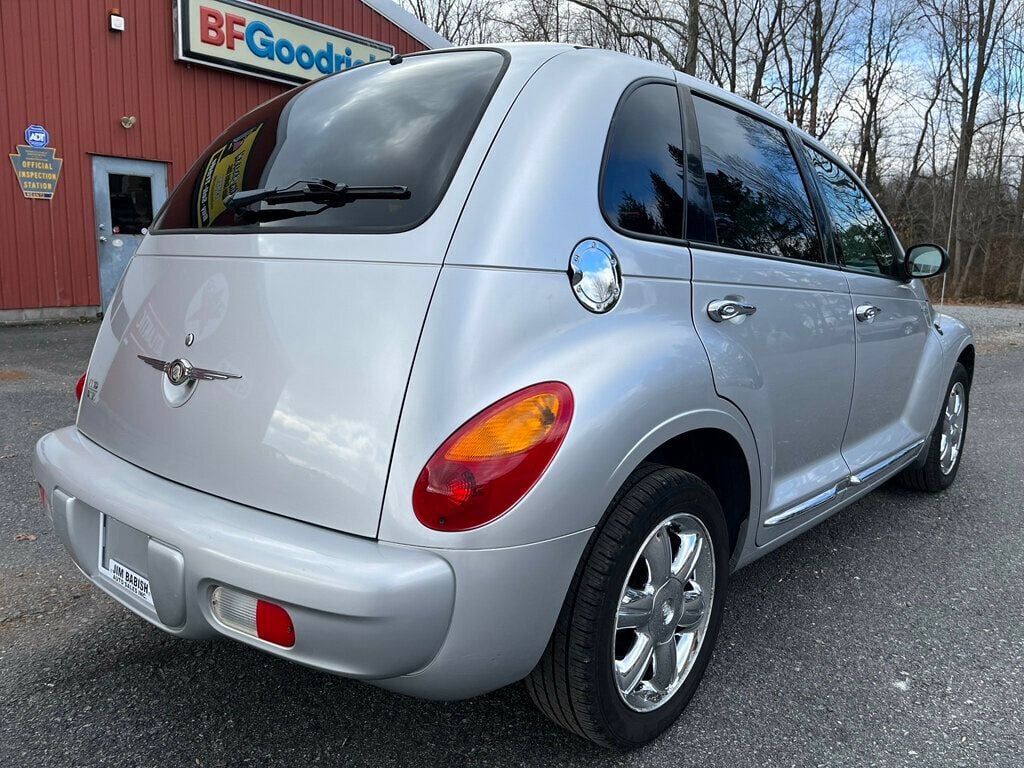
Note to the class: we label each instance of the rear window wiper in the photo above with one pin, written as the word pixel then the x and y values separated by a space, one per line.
pixel 327 193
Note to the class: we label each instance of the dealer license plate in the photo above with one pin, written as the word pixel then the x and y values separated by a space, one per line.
pixel 125 577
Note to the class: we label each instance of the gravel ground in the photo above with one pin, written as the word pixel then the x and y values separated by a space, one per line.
pixel 890 635
pixel 996 328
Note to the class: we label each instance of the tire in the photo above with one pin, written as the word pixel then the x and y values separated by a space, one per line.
pixel 930 476
pixel 576 682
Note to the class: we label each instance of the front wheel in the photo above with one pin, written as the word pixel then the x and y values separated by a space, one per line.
pixel 637 629
pixel 946 443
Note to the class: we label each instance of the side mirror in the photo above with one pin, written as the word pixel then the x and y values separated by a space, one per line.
pixel 925 260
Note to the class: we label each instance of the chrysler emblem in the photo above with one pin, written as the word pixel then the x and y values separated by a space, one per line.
pixel 179 371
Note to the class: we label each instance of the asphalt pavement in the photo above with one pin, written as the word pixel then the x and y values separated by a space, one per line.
pixel 890 635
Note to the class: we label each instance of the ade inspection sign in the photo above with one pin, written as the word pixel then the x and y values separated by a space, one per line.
pixel 36 165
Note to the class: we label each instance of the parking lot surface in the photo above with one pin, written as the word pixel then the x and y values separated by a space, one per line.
pixel 890 635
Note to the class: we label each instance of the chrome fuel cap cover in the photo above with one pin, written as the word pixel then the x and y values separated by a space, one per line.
pixel 594 275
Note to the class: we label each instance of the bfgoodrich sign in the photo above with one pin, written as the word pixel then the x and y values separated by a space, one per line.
pixel 243 36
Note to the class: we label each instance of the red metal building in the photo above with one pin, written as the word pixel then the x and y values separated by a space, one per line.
pixel 123 85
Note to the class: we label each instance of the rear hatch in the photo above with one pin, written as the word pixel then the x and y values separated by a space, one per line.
pixel 304 311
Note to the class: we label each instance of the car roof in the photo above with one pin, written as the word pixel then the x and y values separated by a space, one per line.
pixel 694 83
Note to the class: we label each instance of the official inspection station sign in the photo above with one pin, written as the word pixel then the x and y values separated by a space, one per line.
pixel 37 165
pixel 260 41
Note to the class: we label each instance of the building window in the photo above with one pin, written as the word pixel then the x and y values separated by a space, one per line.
pixel 131 203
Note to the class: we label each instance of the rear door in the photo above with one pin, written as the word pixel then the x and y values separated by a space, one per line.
pixel 892 322
pixel 772 313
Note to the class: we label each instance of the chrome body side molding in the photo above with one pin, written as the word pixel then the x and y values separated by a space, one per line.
pixel 841 487
pixel 874 469
pixel 804 506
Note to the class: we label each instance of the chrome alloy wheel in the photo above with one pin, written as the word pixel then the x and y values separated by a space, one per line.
pixel 663 612
pixel 952 437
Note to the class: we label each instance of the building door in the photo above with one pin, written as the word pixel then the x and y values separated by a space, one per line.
pixel 126 195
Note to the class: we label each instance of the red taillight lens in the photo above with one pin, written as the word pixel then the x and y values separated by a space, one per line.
pixel 489 464
pixel 252 616
pixel 80 387
pixel 273 624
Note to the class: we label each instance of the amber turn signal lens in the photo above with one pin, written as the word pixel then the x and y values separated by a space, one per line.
pixel 515 429
pixel 494 459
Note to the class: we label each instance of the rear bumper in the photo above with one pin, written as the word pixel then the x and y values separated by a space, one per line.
pixel 386 613
pixel 360 608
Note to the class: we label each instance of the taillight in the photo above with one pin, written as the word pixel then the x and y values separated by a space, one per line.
pixel 80 386
pixel 489 464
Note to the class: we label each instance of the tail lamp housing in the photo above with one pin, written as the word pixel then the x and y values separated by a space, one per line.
pixel 80 387
pixel 493 460
pixel 252 616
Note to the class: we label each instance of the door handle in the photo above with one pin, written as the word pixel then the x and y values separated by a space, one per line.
pixel 729 309
pixel 867 313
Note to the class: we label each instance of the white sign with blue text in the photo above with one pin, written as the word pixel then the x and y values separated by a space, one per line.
pixel 260 41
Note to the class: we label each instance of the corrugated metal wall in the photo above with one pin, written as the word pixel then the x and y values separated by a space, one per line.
pixel 63 68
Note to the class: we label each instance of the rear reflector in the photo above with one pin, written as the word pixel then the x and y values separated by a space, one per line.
pixel 252 616
pixel 273 624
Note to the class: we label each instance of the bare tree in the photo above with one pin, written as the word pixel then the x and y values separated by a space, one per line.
pixel 888 24
pixel 924 97
pixel 967 30
pixel 808 51
pixel 462 22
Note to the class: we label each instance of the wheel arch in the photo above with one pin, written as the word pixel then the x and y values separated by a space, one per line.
pixel 716 457
pixel 966 359
pixel 718 447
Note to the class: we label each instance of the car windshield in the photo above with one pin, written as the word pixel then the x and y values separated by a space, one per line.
pixel 386 124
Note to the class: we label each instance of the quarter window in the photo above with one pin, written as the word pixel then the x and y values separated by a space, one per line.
pixel 860 234
pixel 759 198
pixel 642 182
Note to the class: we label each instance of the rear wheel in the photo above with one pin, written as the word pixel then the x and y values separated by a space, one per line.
pixel 945 446
pixel 638 626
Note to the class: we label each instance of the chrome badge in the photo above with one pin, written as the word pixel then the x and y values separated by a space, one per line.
pixel 181 371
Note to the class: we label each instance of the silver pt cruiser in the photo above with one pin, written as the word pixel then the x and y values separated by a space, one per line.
pixel 490 364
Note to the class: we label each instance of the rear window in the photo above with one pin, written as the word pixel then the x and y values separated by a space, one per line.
pixel 379 124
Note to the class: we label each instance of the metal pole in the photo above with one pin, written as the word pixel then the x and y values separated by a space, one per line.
pixel 949 234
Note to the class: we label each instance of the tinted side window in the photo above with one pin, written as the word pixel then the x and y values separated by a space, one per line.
pixel 642 181
pixel 377 124
pixel 861 236
pixel 760 201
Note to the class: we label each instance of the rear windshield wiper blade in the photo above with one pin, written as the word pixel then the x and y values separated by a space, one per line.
pixel 322 191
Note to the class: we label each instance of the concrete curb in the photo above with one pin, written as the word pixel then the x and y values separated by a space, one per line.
pixel 46 315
